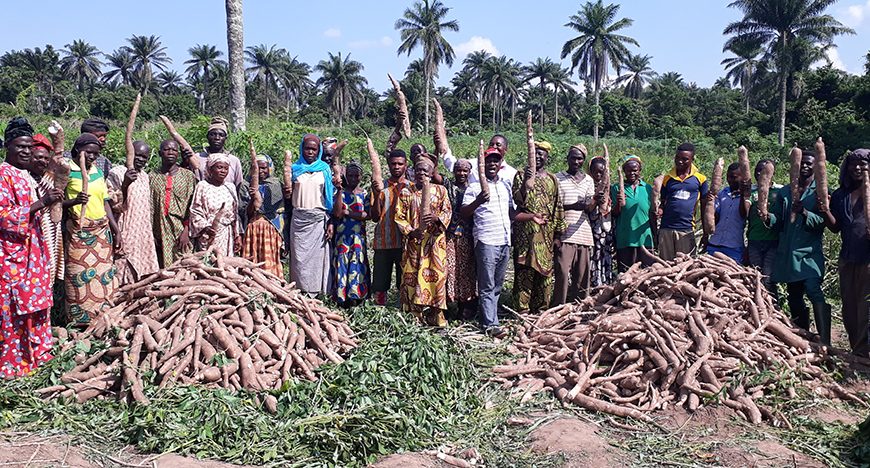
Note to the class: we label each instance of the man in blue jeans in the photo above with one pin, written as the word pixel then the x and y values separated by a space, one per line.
pixel 492 214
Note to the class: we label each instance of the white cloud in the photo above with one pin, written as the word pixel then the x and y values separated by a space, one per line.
pixel 836 61
pixel 332 33
pixel 854 15
pixel 384 41
pixel 474 44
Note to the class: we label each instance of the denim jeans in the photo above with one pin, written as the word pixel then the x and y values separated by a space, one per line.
pixel 761 255
pixel 492 262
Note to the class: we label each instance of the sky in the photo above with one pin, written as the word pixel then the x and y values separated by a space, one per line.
pixel 681 35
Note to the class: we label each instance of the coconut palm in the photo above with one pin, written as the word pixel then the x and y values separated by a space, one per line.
pixel 81 63
pixel 562 83
pixel 267 63
pixel 542 69
pixel 294 78
pixel 342 81
pixel 422 26
pixel 474 63
pixel 465 85
pixel 120 67
pixel 236 48
pixel 598 46
pixel 44 67
pixel 203 59
pixel 170 82
pixel 638 73
pixel 740 69
pixel 501 77
pixel 779 26
pixel 148 53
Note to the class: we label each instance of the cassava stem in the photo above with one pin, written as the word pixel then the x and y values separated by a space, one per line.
pixel 256 200
pixel 377 174
pixel 794 174
pixel 402 107
pixel 532 159
pixel 743 161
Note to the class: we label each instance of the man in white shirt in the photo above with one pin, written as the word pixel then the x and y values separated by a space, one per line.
pixel 492 214
pixel 505 172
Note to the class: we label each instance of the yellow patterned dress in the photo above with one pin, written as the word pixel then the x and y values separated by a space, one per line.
pixel 424 260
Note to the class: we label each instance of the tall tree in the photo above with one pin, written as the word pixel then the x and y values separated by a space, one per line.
pixel 780 26
pixel 295 80
pixel 343 83
pixel 203 59
pixel 638 73
pixel 267 63
pixel 44 68
pixel 562 83
pixel 120 67
pixel 465 85
pixel 81 63
pixel 422 26
pixel 502 77
pixel 236 48
pixel 543 70
pixel 170 82
pixel 474 63
pixel 597 47
pixel 740 69
pixel 148 53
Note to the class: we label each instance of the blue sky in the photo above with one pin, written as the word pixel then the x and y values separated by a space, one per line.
pixel 681 35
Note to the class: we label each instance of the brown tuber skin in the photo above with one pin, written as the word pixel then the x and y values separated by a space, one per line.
pixel 402 107
pixel 820 174
pixel 794 175
pixel 709 204
pixel 128 134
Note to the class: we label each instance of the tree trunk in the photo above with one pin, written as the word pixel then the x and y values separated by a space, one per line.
pixel 340 110
pixel 480 109
pixel 236 49
pixel 597 111
pixel 543 104
pixel 204 86
pixel 783 89
pixel 267 99
pixel 428 85
pixel 556 107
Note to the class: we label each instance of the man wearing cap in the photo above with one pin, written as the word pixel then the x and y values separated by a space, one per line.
pixel 217 138
pixel 577 192
pixel 492 212
pixel 498 143
pixel 540 222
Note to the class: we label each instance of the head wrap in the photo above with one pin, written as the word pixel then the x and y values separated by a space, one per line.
pixel 581 148
pixel 94 125
pixel 463 162
pixel 594 161
pixel 354 164
pixel 631 157
pixel 856 155
pixel 83 140
pixel 319 165
pixel 544 145
pixel 40 140
pixel 426 162
pixel 218 123
pixel 268 160
pixel 17 127
pixel 215 158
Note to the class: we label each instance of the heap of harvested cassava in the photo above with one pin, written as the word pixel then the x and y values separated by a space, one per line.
pixel 672 334
pixel 208 320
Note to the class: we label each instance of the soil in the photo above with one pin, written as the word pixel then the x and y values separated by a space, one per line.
pixel 577 440
pixel 764 454
pixel 408 460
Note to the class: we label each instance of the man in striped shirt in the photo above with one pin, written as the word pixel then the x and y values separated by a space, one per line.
pixel 492 214
pixel 387 242
pixel 577 191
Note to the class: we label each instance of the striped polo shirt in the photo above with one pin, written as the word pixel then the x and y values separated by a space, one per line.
pixel 492 222
pixel 387 234
pixel 571 191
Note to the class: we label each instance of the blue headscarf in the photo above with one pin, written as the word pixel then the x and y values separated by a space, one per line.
pixel 319 165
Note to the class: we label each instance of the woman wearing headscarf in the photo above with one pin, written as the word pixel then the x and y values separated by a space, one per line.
pixel 42 154
pixel 310 229
pixel 91 239
pixel 603 251
pixel 631 216
pixel 461 271
pixel 264 229
pixel 25 281
pixel 214 221
pixel 351 211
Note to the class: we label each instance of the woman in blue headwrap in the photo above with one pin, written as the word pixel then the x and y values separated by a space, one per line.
pixel 263 227
pixel 310 229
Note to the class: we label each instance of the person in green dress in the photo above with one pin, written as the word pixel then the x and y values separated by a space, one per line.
pixel 800 260
pixel 632 215
pixel 539 224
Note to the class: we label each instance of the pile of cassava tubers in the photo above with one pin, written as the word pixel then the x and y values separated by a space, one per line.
pixel 683 334
pixel 208 320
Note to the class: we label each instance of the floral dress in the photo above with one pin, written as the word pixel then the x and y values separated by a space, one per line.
pixel 351 257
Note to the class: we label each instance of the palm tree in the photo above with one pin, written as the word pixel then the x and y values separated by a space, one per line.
pixel 343 83
pixel 294 78
pixel 421 26
pixel 43 65
pixel 639 73
pixel 203 57
pixel 121 67
pixel 543 70
pixel 170 82
pixel 741 68
pixel 501 77
pixel 562 82
pixel 267 63
pixel 598 47
pixel 236 48
pixel 779 26
pixel 148 53
pixel 474 63
pixel 81 63
pixel 465 85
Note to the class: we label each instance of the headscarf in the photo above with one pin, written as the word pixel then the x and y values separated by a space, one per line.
pixel 631 157
pixel 465 162
pixel 215 158
pixel 17 127
pixel 94 125
pixel 272 195
pixel 544 145
pixel 83 140
pixel 218 123
pixel 581 148
pixel 856 155
pixel 268 160
pixel 40 140
pixel 426 162
pixel 319 165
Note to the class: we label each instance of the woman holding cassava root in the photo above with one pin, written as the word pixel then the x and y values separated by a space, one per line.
pixel 850 205
pixel 263 225
pixel 214 221
pixel 632 214
pixel 351 262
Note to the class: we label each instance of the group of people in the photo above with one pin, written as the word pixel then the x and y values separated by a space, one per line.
pixel 448 238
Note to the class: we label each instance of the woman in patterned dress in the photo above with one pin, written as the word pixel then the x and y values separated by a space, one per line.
pixel 604 248
pixel 351 211
pixel 461 271
pixel 214 211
